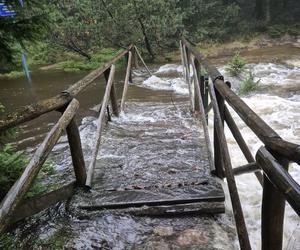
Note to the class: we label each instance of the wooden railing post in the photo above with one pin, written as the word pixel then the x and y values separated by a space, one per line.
pixel 127 60
pixel 273 208
pixel 217 147
pixel 198 73
pixel 187 76
pixel 100 126
pixel 126 82
pixel 225 157
pixel 76 152
pixel 135 58
pixel 17 192
pixel 113 94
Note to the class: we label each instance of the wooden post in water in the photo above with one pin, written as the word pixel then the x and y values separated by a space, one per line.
pixel 135 58
pixel 113 94
pixel 217 147
pixel 100 127
pixel 234 195
pixel 187 77
pixel 127 77
pixel 76 152
pixel 273 207
pixel 127 60
pixel 197 73
pixel 240 141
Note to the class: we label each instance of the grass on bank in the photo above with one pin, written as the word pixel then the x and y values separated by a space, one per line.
pixel 98 59
pixel 41 55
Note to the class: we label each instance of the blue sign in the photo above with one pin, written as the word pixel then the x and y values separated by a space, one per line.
pixel 5 12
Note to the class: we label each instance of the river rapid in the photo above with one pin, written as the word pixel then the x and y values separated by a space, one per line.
pixel 277 101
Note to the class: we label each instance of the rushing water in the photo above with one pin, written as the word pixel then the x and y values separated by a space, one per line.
pixel 277 102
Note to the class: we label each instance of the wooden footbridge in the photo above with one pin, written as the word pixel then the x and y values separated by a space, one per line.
pixel 180 173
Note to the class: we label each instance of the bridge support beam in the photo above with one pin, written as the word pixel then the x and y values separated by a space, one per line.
pixel 217 146
pixel 76 152
pixel 197 97
pixel 113 94
pixel 273 208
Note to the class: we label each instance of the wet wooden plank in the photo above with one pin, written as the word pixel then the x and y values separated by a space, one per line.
pixel 37 204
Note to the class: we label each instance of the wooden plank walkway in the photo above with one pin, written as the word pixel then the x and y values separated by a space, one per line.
pixel 154 155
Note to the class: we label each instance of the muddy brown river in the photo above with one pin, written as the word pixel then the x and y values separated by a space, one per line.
pixel 277 102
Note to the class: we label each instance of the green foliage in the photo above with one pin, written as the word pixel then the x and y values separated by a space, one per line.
pixel 248 84
pixel 28 25
pixel 12 75
pixel 7 242
pixel 12 164
pixel 96 61
pixel 55 242
pixel 236 65
pixel 276 31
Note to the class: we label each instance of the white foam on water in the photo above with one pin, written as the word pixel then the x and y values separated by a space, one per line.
pixel 283 116
pixel 169 69
pixel 269 74
pixel 177 85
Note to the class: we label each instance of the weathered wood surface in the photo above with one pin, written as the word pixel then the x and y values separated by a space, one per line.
pixel 263 131
pixel 158 157
pixel 209 68
pixel 268 136
pixel 37 204
pixel 205 208
pixel 186 68
pixel 278 175
pixel 16 194
pixel 219 164
pixel 112 94
pixel 246 169
pixel 126 82
pixel 240 141
pixel 201 110
pixel 100 126
pixel 235 200
pixel 156 202
pixel 76 152
pixel 39 108
pixel 273 203
pixel 197 70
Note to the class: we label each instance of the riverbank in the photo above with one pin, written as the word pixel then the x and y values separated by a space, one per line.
pixel 217 52
pixel 74 63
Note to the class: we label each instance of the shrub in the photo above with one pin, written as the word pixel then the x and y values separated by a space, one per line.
pixel 12 164
pixel 248 84
pixel 236 65
pixel 276 31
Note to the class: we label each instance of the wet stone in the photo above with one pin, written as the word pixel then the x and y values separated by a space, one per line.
pixel 163 231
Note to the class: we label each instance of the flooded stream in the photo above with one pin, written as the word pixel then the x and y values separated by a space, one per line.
pixel 277 101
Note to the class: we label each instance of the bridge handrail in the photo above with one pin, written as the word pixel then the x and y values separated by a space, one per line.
pixel 263 131
pixel 273 160
pixel 18 191
pixel 39 108
pixel 13 205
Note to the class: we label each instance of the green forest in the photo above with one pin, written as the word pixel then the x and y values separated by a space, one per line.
pixel 53 31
